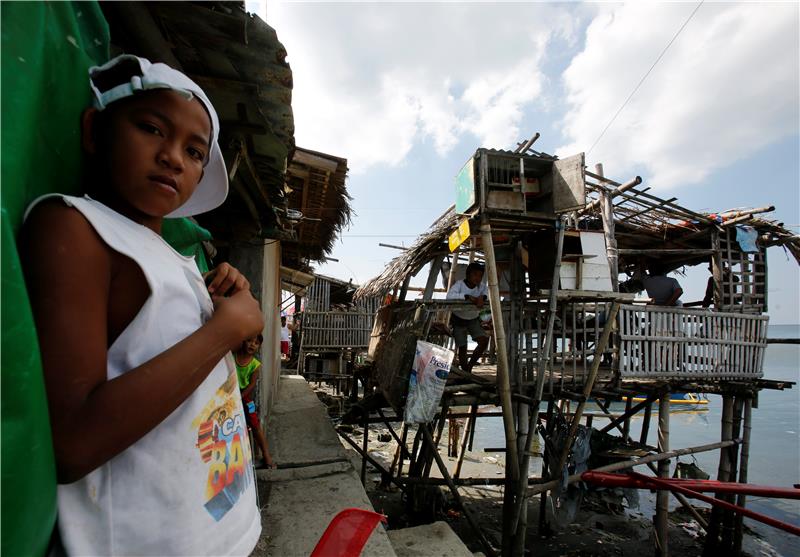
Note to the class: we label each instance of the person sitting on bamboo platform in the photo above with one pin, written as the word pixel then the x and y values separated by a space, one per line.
pixel 664 290
pixel 466 322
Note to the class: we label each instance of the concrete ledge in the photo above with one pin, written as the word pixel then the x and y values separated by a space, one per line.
pixel 299 431
pixel 429 540
pixel 301 473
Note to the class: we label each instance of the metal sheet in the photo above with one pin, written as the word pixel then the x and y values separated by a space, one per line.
pixel 569 182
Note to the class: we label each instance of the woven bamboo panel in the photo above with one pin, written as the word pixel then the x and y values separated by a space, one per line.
pixel 676 343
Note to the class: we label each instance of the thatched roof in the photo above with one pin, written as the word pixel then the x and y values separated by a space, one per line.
pixel 410 261
pixel 316 187
pixel 643 223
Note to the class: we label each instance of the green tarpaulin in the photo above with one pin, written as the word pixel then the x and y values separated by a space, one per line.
pixel 46 49
pixel 187 238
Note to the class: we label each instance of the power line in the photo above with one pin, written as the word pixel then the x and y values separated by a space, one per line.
pixel 663 52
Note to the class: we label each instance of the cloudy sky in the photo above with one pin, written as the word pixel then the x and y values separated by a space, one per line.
pixel 407 92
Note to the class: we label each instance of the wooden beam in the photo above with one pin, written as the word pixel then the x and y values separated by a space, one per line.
pixel 436 265
pixel 315 161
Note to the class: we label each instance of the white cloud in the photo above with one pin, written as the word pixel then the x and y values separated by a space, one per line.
pixel 371 80
pixel 728 86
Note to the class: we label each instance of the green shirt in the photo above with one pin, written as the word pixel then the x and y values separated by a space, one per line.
pixel 245 372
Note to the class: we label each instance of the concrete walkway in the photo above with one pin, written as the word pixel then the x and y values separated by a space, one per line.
pixel 314 482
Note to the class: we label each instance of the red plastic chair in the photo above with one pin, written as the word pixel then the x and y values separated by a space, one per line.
pixel 347 533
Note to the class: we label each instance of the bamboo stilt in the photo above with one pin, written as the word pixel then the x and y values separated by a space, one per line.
pixel 662 498
pixel 365 443
pixel 728 517
pixel 503 379
pixel 607 214
pixel 712 533
pixel 545 469
pixel 471 422
pixel 404 438
pixel 503 385
pixel 741 500
pixel 646 424
pixel 626 425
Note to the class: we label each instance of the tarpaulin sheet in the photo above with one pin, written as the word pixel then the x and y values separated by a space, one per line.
pixel 187 237
pixel 47 48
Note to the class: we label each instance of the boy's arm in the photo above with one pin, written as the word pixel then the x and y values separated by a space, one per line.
pixel 253 381
pixel 68 271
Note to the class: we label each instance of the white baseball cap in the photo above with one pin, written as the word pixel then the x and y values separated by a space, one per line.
pixel 142 75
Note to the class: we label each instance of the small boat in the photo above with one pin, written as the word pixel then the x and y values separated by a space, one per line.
pixel 675 398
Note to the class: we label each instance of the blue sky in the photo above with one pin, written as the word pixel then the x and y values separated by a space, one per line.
pixel 407 92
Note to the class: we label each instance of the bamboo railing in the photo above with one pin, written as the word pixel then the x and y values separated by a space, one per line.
pixel 665 343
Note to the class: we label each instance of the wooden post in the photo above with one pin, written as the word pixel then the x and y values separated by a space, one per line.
pixel 404 439
pixel 364 449
pixel 503 387
pixel 728 518
pixel 503 380
pixel 551 406
pixel 404 288
pixel 451 279
pixel 524 424
pixel 646 424
pixel 712 533
pixel 741 499
pixel 607 212
pixel 436 265
pixel 716 270
pixel 468 430
pixel 626 424
pixel 662 498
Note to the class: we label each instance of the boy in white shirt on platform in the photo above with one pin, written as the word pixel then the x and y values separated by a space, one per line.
pixel 467 322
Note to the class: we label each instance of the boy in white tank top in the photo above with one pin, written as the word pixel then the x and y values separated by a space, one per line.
pixel 149 434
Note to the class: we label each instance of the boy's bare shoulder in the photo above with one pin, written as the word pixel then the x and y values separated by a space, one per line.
pixel 55 230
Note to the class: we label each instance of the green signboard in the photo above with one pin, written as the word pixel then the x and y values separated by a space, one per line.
pixel 465 187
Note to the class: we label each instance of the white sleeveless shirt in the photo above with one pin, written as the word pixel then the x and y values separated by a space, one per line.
pixel 187 486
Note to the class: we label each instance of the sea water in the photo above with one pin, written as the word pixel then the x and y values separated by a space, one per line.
pixel 774 441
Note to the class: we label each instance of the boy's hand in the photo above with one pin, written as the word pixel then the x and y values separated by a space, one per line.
pixel 239 314
pixel 225 280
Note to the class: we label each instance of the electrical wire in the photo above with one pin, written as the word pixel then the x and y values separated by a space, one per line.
pixel 660 56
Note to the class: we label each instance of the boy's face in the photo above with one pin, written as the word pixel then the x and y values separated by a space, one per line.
pixel 251 346
pixel 475 277
pixel 158 145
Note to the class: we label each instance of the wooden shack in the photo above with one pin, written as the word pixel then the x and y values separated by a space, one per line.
pixel 564 248
pixel 335 330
